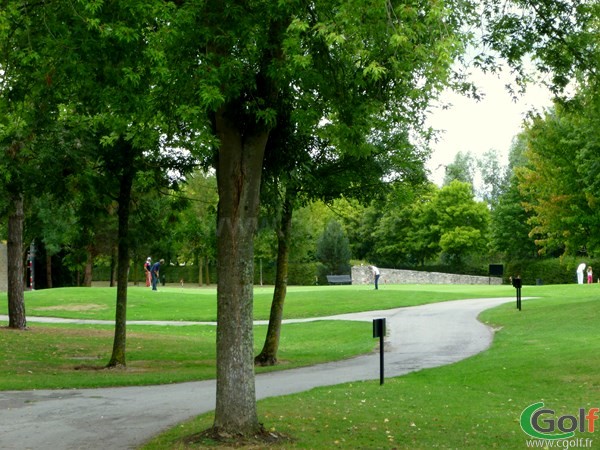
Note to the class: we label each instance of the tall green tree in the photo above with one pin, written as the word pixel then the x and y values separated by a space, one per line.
pixel 333 250
pixel 547 184
pixel 109 89
pixel 461 169
pixel 457 222
pixel 354 62
pixel 287 162
pixel 509 226
pixel 303 167
pixel 27 105
pixel 195 230
pixel 95 62
pixel 563 218
pixel 559 37
pixel 586 108
pixel 116 75
pixel 403 234
pixel 359 222
pixel 493 178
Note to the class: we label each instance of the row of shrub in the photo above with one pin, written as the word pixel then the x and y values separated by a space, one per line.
pixel 298 274
pixel 550 271
pixel 539 271
pixel 531 271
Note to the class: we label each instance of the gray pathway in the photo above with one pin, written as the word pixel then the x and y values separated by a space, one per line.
pixel 123 418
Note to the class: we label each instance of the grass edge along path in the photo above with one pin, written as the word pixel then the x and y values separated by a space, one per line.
pixel 544 353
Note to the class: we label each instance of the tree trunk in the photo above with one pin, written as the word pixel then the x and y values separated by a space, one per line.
pixel 268 355
pixel 87 274
pixel 207 272
pixel 200 265
pixel 113 266
pixel 239 170
pixel 16 270
pixel 136 268
pixel 48 270
pixel 126 182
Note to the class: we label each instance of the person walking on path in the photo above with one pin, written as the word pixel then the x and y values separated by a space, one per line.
pixel 155 270
pixel 147 267
pixel 375 276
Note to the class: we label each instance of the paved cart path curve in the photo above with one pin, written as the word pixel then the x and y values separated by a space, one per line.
pixel 123 418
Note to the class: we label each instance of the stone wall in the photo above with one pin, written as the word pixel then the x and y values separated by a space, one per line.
pixel 3 268
pixel 363 275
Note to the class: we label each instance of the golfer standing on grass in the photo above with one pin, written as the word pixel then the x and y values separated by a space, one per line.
pixel 155 271
pixel 375 276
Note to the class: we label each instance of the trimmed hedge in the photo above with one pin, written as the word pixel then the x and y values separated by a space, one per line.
pixel 549 271
pixel 298 274
pixel 171 274
pixel 537 271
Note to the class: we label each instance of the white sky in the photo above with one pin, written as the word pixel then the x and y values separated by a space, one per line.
pixel 476 127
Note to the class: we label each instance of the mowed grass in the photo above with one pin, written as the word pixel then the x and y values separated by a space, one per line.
pixel 547 352
pixel 185 304
pixel 75 356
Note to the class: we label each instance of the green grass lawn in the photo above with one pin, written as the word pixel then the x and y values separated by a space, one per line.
pixel 547 352
pixel 74 356
pixel 175 303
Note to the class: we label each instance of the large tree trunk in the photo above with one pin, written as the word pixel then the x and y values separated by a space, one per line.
pixel 126 182
pixel 268 355
pixel 16 270
pixel 239 170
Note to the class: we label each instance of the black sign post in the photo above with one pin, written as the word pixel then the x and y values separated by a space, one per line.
pixel 517 284
pixel 379 331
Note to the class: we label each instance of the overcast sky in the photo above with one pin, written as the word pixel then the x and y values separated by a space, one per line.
pixel 476 127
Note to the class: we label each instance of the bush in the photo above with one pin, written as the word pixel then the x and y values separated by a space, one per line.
pixel 303 274
pixel 299 274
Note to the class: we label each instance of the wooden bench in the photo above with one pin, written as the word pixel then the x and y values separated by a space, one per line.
pixel 339 279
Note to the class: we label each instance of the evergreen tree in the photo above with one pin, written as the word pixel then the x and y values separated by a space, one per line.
pixel 333 250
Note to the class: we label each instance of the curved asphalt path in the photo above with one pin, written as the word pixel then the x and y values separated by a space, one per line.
pixel 123 418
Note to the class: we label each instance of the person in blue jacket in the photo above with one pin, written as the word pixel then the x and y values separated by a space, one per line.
pixel 155 272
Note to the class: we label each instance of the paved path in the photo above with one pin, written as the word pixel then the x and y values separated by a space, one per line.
pixel 123 418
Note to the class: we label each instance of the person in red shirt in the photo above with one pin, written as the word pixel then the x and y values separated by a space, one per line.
pixel 147 266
